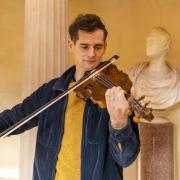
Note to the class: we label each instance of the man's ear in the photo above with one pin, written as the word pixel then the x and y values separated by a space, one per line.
pixel 70 45
pixel 105 45
pixel 166 47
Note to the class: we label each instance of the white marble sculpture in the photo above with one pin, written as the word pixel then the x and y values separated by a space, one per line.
pixel 156 78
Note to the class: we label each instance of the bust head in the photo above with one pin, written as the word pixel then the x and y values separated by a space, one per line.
pixel 158 42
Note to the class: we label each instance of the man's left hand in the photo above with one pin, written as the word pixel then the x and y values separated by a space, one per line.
pixel 117 107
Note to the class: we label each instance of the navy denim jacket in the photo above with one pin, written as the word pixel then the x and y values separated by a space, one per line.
pixel 101 157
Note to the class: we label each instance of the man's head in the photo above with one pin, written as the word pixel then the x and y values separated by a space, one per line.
pixel 88 23
pixel 87 42
pixel 158 42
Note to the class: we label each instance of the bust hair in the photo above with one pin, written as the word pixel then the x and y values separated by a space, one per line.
pixel 163 32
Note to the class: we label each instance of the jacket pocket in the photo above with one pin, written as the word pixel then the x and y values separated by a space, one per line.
pixel 50 126
pixel 97 125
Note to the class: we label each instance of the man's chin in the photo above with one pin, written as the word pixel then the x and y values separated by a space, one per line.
pixel 91 67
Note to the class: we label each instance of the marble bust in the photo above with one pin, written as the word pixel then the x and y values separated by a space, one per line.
pixel 156 78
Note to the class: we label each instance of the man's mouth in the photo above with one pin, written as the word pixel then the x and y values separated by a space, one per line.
pixel 90 61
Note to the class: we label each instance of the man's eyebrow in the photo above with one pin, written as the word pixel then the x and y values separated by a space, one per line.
pixel 84 44
pixel 99 44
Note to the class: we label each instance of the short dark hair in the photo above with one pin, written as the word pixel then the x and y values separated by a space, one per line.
pixel 88 23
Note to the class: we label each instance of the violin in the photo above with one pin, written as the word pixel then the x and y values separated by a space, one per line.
pixel 96 87
pixel 93 86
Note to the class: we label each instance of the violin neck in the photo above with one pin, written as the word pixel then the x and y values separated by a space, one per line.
pixel 135 105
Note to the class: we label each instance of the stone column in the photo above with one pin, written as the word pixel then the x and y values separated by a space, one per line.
pixel 156 159
pixel 45 58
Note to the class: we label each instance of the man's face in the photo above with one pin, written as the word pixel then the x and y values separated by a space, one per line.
pixel 88 50
pixel 156 45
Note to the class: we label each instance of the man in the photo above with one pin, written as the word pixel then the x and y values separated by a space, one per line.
pixel 77 139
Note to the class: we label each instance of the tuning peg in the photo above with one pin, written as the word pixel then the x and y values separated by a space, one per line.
pixel 145 105
pixel 136 119
pixel 158 109
pixel 130 112
pixel 141 98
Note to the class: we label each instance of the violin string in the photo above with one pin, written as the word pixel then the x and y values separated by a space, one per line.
pixel 106 82
pixel 134 103
pixel 100 80
pixel 110 83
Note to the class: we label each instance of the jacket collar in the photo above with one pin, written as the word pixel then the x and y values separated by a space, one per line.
pixel 62 83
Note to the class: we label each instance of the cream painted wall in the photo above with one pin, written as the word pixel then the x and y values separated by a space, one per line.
pixel 129 22
pixel 11 56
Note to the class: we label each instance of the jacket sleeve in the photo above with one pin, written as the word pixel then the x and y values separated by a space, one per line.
pixel 11 116
pixel 124 144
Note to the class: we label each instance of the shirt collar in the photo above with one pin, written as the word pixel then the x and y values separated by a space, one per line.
pixel 62 83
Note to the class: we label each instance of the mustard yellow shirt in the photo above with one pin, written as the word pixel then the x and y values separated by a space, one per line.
pixel 69 158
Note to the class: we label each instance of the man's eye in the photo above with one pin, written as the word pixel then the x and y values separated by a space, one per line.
pixel 99 47
pixel 84 47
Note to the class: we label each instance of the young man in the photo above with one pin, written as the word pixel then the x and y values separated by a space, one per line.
pixel 77 139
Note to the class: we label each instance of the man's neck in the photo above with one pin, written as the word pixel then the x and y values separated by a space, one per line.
pixel 78 75
pixel 158 65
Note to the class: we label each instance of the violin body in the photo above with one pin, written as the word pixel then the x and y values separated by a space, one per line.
pixel 95 91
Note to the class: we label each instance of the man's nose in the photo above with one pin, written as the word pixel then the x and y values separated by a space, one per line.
pixel 92 52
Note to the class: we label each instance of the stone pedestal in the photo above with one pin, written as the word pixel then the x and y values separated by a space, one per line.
pixel 156 160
